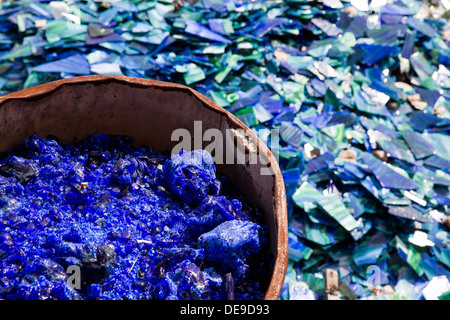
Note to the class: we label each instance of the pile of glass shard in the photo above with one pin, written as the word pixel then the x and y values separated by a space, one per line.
pixel 357 92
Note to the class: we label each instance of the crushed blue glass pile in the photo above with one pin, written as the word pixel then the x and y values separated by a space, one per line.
pixel 129 223
pixel 358 93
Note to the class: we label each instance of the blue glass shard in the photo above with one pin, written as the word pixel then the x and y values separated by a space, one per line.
pixel 420 120
pixel 408 45
pixel 167 41
pixel 369 251
pixel 289 50
pixel 396 148
pixel 345 117
pixel 107 16
pixel 320 120
pixel 106 68
pixel 387 177
pixel 376 52
pixel 430 96
pixel 319 234
pixel 113 37
pixel 391 19
pixel 229 287
pixel 361 231
pixel 125 6
pixel 397 8
pixel 155 37
pixel 216 25
pixel 381 83
pixel 118 47
pixel 322 162
pixel 418 145
pixel 437 162
pixel 329 28
pixel 197 29
pixel 75 64
pixel 421 65
pixel 441 196
pixel 421 26
pixel 140 62
pixel 40 10
pixel 356 205
pixel 443 255
pixel 291 175
pixel 266 25
pixel 243 102
pixel 354 169
pixel 297 250
pixel 357 26
pixel 432 268
pixel 291 133
pixel 364 104
pixel 141 27
pixel 261 113
pixel 319 86
pixel 138 47
pixel 407 212
pixel 386 34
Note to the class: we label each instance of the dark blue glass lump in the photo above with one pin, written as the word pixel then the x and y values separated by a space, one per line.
pixel 99 219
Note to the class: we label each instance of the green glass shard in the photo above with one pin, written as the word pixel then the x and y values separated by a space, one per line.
pixel 411 255
pixel 336 209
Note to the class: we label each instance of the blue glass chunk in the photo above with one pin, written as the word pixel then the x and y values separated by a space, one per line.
pixel 191 175
pixel 229 244
pixel 211 212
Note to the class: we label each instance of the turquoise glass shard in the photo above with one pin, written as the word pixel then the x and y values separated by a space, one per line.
pixel 306 193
